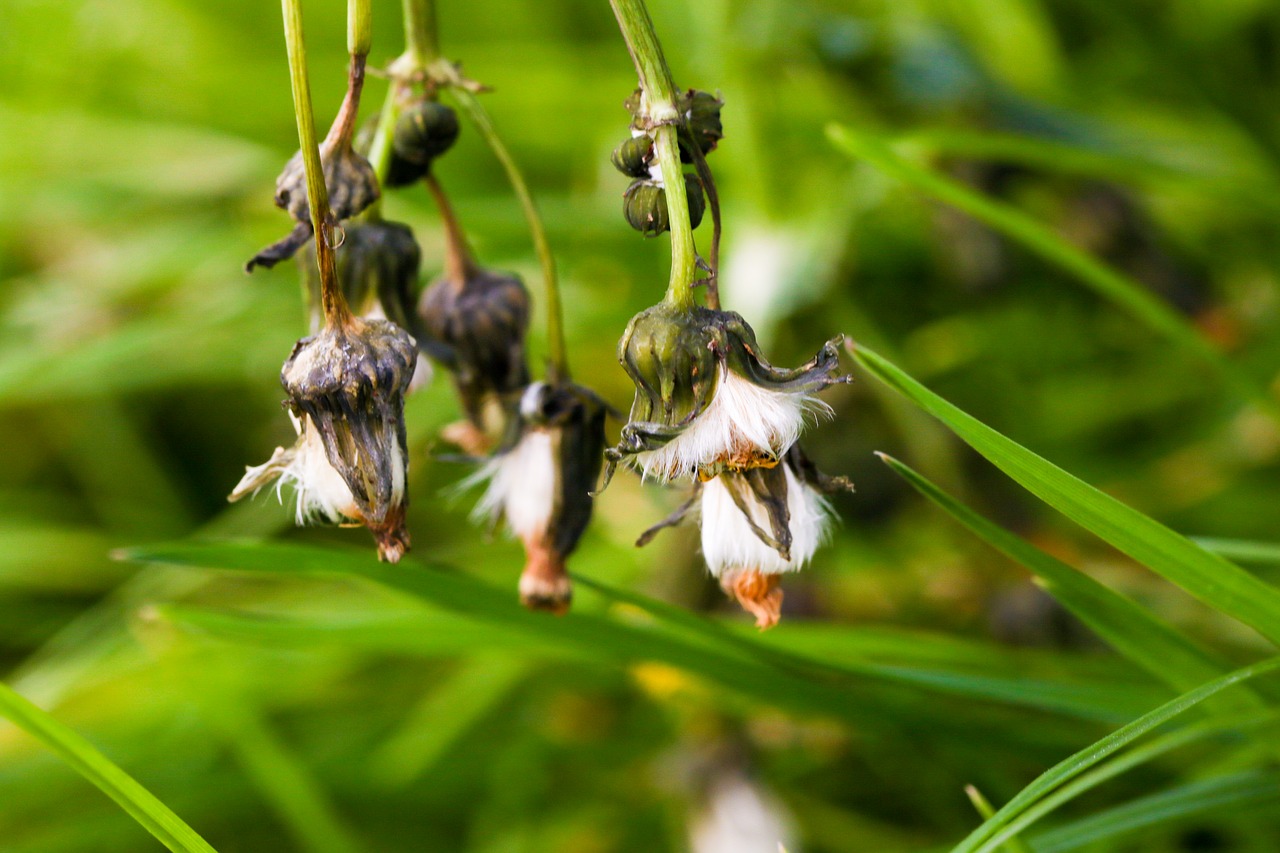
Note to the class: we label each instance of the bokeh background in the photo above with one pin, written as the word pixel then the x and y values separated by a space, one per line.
pixel 139 142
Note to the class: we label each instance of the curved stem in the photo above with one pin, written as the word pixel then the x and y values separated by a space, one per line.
pixel 344 124
pixel 558 359
pixel 336 311
pixel 713 202
pixel 660 113
pixel 458 263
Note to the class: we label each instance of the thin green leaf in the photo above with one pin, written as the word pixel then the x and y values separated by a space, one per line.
pixel 1018 226
pixel 1207 576
pixel 986 810
pixel 141 804
pixel 1185 801
pixel 1133 631
pixel 1073 766
pixel 1241 550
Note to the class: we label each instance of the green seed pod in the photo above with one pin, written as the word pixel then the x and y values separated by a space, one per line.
pixel 633 156
pixel 702 116
pixel 424 131
pixel 645 205
pixel 403 173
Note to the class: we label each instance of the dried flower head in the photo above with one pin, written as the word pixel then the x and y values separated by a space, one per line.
pixel 706 401
pixel 346 389
pixel 475 325
pixel 540 485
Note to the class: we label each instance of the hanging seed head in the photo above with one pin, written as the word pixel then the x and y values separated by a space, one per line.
pixel 645 205
pixel 476 328
pixel 706 401
pixel 402 172
pixel 633 156
pixel 424 131
pixel 349 383
pixel 540 484
pixel 702 117
pixel 378 266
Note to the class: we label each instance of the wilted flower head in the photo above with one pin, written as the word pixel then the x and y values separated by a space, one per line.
pixel 540 485
pixel 378 265
pixel 346 389
pixel 706 401
pixel 475 324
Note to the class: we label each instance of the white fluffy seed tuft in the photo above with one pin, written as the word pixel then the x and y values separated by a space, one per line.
pixel 522 485
pixel 742 417
pixel 322 495
pixel 729 545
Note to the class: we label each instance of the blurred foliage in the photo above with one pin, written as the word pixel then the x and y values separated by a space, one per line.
pixel 138 375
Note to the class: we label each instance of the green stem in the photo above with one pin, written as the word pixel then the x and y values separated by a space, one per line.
pixel 422 45
pixel 336 312
pixel 380 147
pixel 459 266
pixel 359 27
pixel 713 202
pixel 660 114
pixel 558 358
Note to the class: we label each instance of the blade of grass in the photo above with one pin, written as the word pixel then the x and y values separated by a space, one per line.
pixel 137 801
pixel 1020 227
pixel 1244 551
pixel 1202 731
pixel 1208 577
pixel 1133 631
pixel 1184 801
pixel 1076 764
pixel 985 810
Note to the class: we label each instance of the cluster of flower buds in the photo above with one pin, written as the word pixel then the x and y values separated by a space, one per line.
pixel 425 130
pixel 645 200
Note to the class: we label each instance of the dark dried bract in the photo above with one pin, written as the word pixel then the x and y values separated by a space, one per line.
pixel 351 381
pixel 378 265
pixel 351 184
pixel 476 328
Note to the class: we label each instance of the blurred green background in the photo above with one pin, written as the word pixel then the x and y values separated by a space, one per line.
pixel 139 142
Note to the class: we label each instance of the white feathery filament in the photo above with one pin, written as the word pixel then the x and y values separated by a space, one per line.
pixel 522 485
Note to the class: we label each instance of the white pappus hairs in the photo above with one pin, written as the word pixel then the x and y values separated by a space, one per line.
pixel 729 545
pixel 522 485
pixel 741 416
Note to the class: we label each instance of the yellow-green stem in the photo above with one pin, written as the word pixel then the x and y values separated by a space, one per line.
pixel 336 312
pixel 421 43
pixel 557 355
pixel 380 147
pixel 660 112
pixel 359 26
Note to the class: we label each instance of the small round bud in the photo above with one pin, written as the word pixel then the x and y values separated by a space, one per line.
pixel 424 131
pixel 403 173
pixel 645 205
pixel 702 116
pixel 633 156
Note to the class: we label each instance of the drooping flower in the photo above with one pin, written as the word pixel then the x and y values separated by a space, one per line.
pixel 474 324
pixel 541 484
pixel 346 389
pixel 706 401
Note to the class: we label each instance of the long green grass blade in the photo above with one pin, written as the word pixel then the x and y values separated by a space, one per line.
pixel 1071 767
pixel 1020 227
pixel 141 804
pixel 1242 550
pixel 1185 801
pixel 1133 631
pixel 1206 576
pixel 1202 731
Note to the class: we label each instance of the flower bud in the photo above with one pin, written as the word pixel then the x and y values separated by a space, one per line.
pixel 706 401
pixel 645 205
pixel 702 117
pixel 476 328
pixel 424 131
pixel 348 383
pixel 378 266
pixel 351 184
pixel 402 172
pixel 540 485
pixel 633 156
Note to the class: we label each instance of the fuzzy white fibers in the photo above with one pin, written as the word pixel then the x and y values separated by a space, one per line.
pixel 522 485
pixel 322 494
pixel 741 417
pixel 729 545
